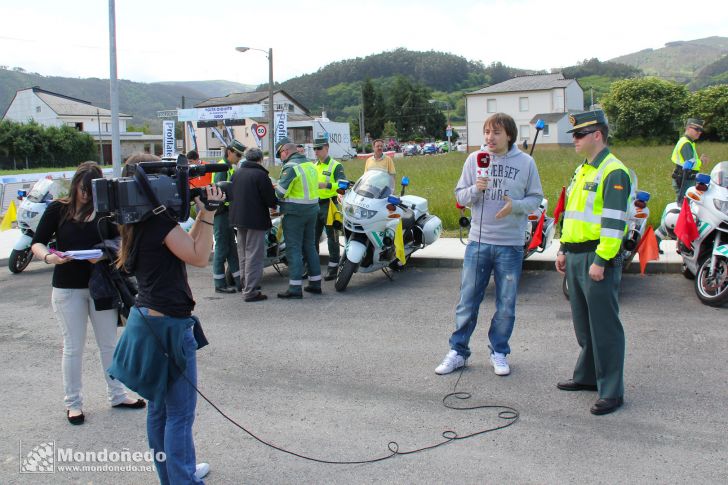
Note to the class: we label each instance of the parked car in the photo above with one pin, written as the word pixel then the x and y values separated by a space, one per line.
pixel 411 150
pixel 430 149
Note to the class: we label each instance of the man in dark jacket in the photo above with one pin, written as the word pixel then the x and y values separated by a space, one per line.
pixel 253 195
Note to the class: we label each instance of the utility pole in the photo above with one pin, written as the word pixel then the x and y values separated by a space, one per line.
pixel 114 94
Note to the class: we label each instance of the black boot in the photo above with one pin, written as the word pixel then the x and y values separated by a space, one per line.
pixel 330 273
pixel 292 293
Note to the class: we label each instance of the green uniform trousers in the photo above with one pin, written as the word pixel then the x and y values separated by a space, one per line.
pixel 599 332
pixel 226 250
pixel 298 232
pixel 331 234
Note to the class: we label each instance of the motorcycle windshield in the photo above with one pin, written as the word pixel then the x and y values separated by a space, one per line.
pixel 39 191
pixel 719 175
pixel 375 184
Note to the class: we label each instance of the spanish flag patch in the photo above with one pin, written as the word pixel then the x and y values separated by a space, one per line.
pixel 618 187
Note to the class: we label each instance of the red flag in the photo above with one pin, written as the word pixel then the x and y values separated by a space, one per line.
pixel 648 249
pixel 560 205
pixel 685 228
pixel 538 234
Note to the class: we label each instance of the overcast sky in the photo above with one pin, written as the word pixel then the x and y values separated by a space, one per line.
pixel 185 40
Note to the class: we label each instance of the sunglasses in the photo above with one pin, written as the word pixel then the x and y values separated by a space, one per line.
pixel 581 134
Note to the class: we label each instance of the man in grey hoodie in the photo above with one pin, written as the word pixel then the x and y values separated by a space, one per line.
pixel 501 185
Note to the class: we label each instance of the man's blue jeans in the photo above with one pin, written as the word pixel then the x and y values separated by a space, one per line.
pixel 169 423
pixel 481 259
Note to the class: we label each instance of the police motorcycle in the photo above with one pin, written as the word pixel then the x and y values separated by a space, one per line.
pixel 707 257
pixel 371 216
pixel 30 211
pixel 637 215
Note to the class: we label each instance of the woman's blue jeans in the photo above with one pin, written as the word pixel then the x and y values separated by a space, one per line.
pixel 169 423
pixel 481 259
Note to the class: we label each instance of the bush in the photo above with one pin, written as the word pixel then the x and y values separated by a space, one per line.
pixel 31 145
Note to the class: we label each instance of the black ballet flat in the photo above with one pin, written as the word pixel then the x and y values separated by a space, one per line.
pixel 75 419
pixel 139 404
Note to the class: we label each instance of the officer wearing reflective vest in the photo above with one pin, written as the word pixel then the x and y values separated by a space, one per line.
pixel 298 195
pixel 595 221
pixel 330 172
pixel 685 150
pixel 226 250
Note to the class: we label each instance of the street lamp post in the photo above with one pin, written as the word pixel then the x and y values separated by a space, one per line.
pixel 271 121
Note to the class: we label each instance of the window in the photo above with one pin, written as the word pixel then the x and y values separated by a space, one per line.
pixel 491 106
pixel 78 126
pixel 523 104
pixel 524 132
pixel 545 130
pixel 37 109
pixel 107 127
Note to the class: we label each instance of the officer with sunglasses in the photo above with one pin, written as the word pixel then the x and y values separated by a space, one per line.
pixel 595 221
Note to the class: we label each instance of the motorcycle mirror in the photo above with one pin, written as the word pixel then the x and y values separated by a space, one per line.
pixel 702 178
pixel 643 196
pixel 464 222
pixel 540 124
pixel 405 181
pixel 393 199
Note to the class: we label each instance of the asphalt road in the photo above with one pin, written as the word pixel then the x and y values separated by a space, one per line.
pixel 339 376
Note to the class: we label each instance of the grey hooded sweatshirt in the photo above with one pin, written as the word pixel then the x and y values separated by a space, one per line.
pixel 515 175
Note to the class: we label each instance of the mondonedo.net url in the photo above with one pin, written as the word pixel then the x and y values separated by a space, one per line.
pixel 105 468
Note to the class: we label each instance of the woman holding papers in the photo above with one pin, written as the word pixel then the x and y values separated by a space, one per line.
pixel 74 223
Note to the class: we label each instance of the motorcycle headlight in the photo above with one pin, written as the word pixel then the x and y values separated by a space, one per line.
pixel 721 205
pixel 358 212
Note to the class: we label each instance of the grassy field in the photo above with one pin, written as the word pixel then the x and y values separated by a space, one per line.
pixel 434 176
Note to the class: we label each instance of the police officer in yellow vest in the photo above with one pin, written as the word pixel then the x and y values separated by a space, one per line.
pixel 225 247
pixel 330 172
pixel 595 221
pixel 685 150
pixel 298 195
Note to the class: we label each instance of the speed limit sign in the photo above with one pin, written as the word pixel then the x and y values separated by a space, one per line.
pixel 260 130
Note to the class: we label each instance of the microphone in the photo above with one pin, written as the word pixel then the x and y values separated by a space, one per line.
pixel 483 161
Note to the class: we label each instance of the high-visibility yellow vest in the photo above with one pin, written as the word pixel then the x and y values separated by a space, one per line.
pixel 304 188
pixel 585 207
pixel 677 157
pixel 325 173
pixel 229 173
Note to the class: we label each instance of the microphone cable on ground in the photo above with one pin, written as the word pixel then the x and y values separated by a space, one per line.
pixel 509 414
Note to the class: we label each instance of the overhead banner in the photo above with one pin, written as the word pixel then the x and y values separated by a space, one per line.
pixel 218 113
pixel 168 138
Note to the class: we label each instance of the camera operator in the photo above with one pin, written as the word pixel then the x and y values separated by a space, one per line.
pixel 159 342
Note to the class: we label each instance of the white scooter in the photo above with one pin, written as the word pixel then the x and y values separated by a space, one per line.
pixel 371 214
pixel 707 258
pixel 31 209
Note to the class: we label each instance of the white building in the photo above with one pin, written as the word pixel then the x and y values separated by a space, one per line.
pixel 549 97
pixel 302 127
pixel 52 109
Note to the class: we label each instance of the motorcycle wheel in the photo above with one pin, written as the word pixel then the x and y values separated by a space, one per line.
pixel 712 291
pixel 565 287
pixel 345 270
pixel 686 272
pixel 19 260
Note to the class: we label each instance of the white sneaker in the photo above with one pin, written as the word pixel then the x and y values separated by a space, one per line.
pixel 201 470
pixel 500 364
pixel 452 361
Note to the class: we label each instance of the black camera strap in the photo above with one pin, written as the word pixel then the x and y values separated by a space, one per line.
pixel 140 177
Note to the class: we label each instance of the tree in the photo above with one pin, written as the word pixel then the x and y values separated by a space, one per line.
pixel 711 105
pixel 645 107
pixel 390 130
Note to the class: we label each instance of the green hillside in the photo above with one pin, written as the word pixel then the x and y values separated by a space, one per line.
pixel 678 61
pixel 141 100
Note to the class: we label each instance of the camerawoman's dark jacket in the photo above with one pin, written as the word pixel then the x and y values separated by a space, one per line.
pixel 253 195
